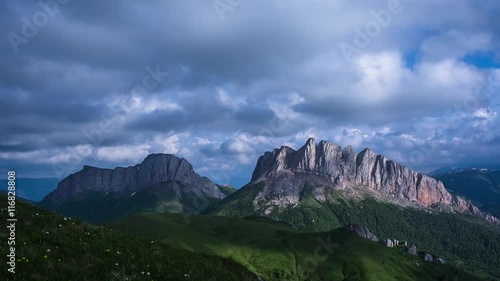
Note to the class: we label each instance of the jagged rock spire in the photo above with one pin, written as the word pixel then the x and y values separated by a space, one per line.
pixel 344 167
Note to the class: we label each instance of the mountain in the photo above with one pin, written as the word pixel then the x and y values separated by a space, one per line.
pixel 328 167
pixel 161 183
pixel 324 187
pixel 33 189
pixel 482 186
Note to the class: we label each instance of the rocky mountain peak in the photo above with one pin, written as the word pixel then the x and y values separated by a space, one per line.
pixel 154 169
pixel 342 168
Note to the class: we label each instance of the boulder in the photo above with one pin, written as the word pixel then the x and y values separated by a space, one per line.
pixel 389 243
pixel 362 231
pixel 412 250
pixel 428 257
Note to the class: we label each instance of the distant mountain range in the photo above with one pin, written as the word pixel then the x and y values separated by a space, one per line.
pixel 166 183
pixel 33 189
pixel 480 185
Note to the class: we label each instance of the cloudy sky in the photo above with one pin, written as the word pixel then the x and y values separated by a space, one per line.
pixel 105 83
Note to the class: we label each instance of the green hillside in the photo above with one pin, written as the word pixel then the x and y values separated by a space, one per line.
pixel 226 189
pixel 99 207
pixel 51 247
pixel 276 251
pixel 180 247
pixel 466 241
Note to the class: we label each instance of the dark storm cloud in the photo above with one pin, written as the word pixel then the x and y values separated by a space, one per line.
pixel 162 121
pixel 57 111
pixel 255 115
pixel 204 114
pixel 271 73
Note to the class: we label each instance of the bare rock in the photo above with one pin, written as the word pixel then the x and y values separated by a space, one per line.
pixel 428 257
pixel 328 163
pixel 362 232
pixel 412 250
pixel 389 243
pixel 156 168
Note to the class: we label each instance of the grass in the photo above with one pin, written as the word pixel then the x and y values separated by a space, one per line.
pixel 178 247
pixel 227 189
pixel 466 241
pixel 98 207
pixel 51 247
pixel 276 251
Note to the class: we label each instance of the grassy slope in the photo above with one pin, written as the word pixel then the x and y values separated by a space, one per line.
pixel 239 204
pixel 227 189
pixel 278 252
pixel 98 207
pixel 467 241
pixel 50 247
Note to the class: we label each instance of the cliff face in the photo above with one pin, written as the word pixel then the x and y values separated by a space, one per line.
pixel 342 168
pixel 154 169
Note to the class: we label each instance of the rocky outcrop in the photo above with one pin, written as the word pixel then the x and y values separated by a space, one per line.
pixel 362 232
pixel 156 168
pixel 412 250
pixel 389 243
pixel 342 168
pixel 428 258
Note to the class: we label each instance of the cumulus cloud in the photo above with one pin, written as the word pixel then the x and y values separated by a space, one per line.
pixel 172 77
pixel 124 153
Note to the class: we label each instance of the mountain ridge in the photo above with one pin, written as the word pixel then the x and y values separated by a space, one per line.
pixel 154 169
pixel 343 168
pixel 160 183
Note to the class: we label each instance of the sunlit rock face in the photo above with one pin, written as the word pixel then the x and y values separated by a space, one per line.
pixel 285 171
